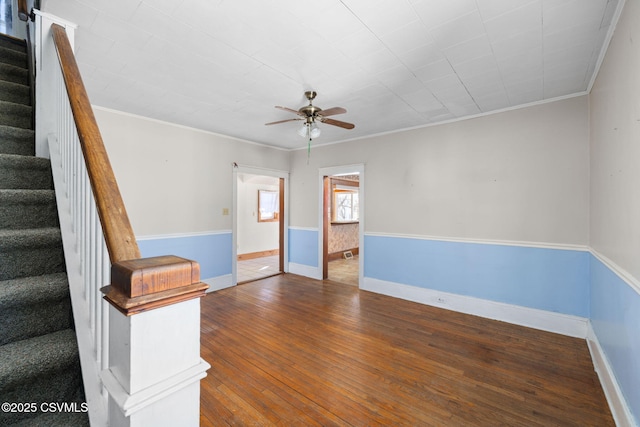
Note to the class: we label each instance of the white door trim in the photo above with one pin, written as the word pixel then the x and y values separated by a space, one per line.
pixel 239 169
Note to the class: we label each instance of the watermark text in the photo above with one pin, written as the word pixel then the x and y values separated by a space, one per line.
pixel 44 407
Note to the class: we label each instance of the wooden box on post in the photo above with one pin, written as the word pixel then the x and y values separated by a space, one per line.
pixel 142 284
pixel 154 345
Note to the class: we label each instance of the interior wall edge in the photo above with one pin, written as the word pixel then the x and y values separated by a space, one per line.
pixel 310 271
pixel 615 398
pixel 218 283
pixel 624 275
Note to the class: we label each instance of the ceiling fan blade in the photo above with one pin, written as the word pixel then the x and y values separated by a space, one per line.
pixel 282 121
pixel 289 110
pixel 338 123
pixel 332 111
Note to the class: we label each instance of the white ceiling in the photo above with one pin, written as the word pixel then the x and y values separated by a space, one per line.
pixel 222 65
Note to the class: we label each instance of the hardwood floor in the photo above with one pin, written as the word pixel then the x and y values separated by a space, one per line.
pixel 292 351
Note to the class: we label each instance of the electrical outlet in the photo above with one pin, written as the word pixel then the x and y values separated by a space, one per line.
pixel 225 211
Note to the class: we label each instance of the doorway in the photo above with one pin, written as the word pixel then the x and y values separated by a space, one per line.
pixel 342 218
pixel 259 225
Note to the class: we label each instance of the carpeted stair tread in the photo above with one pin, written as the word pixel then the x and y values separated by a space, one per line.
pixel 30 252
pixel 34 306
pixel 15 92
pixel 25 172
pixel 57 419
pixel 39 288
pixel 27 209
pixel 15 140
pixel 11 73
pixel 39 359
pixel 37 356
pixel 13 57
pixel 33 237
pixel 17 115
pixel 40 370
pixel 9 42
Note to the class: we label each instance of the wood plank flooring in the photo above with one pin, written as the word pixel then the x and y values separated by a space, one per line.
pixel 292 351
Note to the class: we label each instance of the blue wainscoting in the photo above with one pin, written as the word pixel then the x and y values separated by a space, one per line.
pixel 555 280
pixel 615 319
pixel 303 246
pixel 211 250
pixel 566 281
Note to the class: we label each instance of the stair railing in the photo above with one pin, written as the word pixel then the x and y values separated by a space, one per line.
pixel 135 370
pixel 83 221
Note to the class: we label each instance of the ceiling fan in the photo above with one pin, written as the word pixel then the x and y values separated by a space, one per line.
pixel 310 114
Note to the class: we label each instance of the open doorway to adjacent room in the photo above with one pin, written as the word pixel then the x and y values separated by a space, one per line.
pixel 342 225
pixel 259 226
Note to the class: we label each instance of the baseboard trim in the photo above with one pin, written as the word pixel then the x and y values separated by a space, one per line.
pixel 617 403
pixel 260 254
pixel 219 282
pixel 305 270
pixel 573 326
pixel 340 254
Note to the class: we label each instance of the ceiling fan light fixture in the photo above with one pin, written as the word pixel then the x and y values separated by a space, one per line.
pixel 309 130
pixel 303 131
pixel 310 113
pixel 314 130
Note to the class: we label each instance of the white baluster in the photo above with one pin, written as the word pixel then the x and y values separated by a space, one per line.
pixel 85 252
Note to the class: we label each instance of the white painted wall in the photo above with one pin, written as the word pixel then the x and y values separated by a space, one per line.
pixel 175 179
pixel 520 175
pixel 615 147
pixel 254 236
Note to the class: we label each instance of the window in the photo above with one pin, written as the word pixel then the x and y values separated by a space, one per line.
pixel 345 204
pixel 268 206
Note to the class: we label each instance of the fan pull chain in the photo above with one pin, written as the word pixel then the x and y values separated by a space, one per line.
pixel 308 150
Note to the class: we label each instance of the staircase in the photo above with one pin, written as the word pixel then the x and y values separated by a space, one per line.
pixel 39 361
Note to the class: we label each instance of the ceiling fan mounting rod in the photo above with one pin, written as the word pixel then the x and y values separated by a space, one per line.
pixel 311 95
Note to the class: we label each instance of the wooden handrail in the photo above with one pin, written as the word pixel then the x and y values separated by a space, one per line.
pixel 137 284
pixel 117 230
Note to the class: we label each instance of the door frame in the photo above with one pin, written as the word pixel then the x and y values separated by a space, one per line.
pixel 323 220
pixel 283 220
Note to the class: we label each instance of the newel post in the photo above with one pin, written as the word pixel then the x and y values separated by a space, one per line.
pixel 155 367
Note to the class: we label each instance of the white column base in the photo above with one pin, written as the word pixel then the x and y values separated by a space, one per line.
pixel 175 402
pixel 155 367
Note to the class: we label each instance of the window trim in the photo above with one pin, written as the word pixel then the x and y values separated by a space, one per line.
pixel 275 213
pixel 335 182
